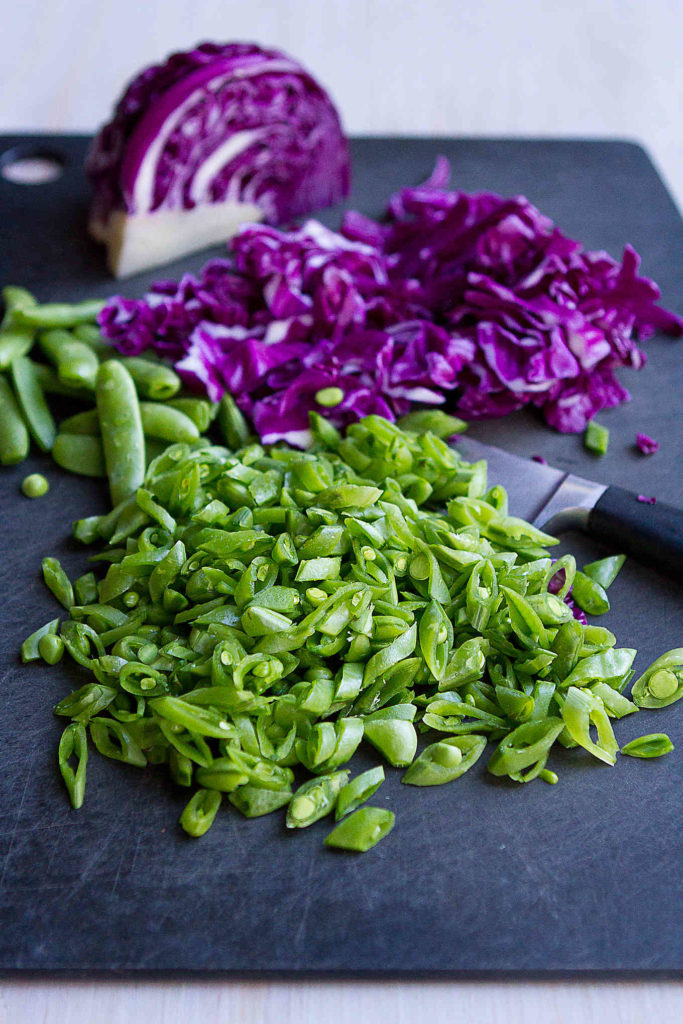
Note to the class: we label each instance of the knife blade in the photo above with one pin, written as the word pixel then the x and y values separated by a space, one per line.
pixel 557 501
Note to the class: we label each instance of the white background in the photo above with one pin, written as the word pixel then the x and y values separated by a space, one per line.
pixel 526 67
pixel 450 67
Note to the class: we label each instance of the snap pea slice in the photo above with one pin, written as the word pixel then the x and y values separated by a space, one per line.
pixel 662 683
pixel 357 791
pixel 200 812
pixel 73 743
pixel 231 422
pixel 445 761
pixel 253 802
pixel 433 421
pixel 394 738
pixel 589 594
pixel 655 744
pixel 30 648
pixel 580 710
pixel 596 438
pixel 315 799
pixel 115 740
pixel 52 385
pixel 58 582
pixel 605 570
pixel 525 746
pixel 362 830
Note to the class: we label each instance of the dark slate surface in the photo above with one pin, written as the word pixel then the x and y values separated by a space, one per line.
pixel 479 878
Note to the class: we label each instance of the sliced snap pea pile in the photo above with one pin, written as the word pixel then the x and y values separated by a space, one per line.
pixel 258 612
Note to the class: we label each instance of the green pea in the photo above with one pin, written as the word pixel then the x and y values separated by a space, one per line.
pixel 329 397
pixel 34 486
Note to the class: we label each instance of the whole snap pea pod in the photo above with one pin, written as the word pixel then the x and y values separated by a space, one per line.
pixel 86 423
pixel 14 437
pixel 152 380
pixel 36 412
pixel 79 453
pixel 90 335
pixel 75 362
pixel 121 425
pixel 60 314
pixel 167 423
pixel 15 340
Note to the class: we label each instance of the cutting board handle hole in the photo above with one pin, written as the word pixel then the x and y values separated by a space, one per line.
pixel 25 165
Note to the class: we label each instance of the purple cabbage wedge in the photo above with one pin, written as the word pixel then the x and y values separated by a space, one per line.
pixel 209 140
pixel 471 300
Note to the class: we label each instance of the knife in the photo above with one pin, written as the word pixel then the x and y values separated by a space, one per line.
pixel 556 501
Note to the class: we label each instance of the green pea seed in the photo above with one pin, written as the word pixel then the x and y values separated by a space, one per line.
pixel 34 486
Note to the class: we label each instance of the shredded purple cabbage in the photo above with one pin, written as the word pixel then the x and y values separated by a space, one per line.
pixel 472 298
pixel 646 444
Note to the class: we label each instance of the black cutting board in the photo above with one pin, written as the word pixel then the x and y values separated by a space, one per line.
pixel 481 877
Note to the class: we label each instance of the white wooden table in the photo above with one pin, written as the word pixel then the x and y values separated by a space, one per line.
pixel 595 67
pixel 211 1002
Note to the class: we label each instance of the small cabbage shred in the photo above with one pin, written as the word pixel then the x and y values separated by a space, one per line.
pixel 212 138
pixel 470 299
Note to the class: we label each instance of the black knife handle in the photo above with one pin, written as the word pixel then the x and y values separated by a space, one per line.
pixel 653 534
